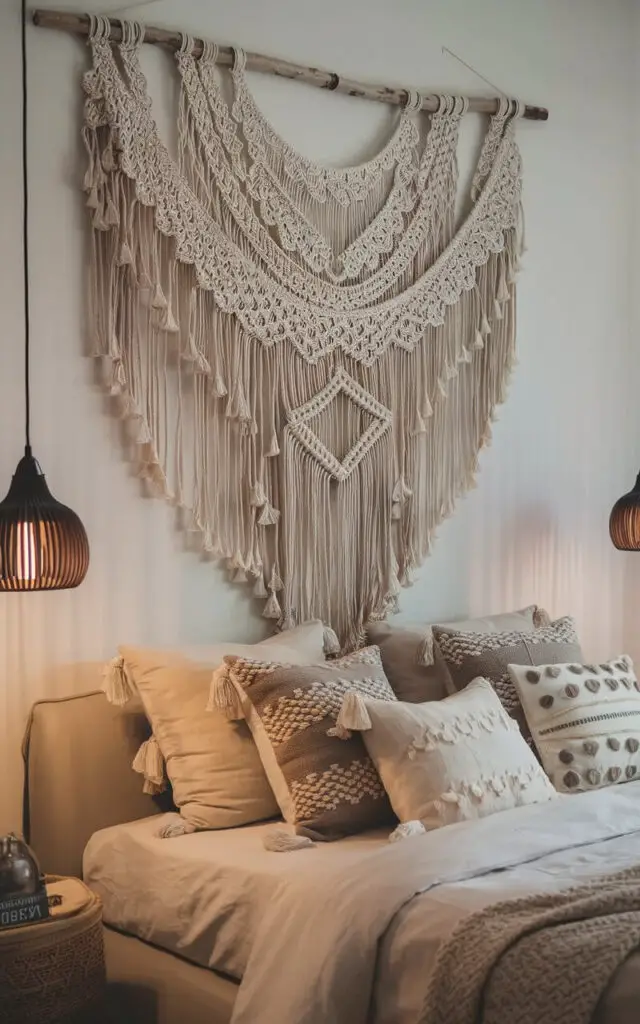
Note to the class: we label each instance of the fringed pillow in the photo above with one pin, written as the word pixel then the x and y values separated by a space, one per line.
pixel 450 760
pixel 322 777
pixel 213 765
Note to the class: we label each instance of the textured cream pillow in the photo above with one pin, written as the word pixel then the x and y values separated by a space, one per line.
pixel 448 760
pixel 585 721
pixel 212 763
pixel 412 662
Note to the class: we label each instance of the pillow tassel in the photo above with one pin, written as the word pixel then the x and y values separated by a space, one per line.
pixel 116 684
pixel 353 713
pixel 279 841
pixel 541 617
pixel 173 828
pixel 331 642
pixel 150 763
pixel 425 654
pixel 407 829
pixel 223 695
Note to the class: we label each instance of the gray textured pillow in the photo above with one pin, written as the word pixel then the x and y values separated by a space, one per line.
pixel 324 781
pixel 412 662
pixel 469 655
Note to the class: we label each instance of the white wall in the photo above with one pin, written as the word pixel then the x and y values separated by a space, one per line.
pixel 536 527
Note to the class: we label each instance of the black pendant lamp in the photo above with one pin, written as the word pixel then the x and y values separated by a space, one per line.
pixel 43 544
pixel 624 521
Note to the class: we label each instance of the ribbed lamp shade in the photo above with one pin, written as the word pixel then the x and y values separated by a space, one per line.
pixel 43 544
pixel 624 522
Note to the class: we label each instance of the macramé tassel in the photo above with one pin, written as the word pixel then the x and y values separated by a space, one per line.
pixel 150 763
pixel 541 617
pixel 223 695
pixel 274 448
pixel 419 426
pixel 272 609
pixel 401 491
pixel 425 653
pixel 237 406
pixel 195 356
pixel 258 495
pixel 259 589
pixel 479 341
pixel 168 321
pixel 158 301
pixel 116 684
pixel 331 644
pixel 497 310
pixel 503 292
pixel 126 256
pixel 219 386
pixel 485 326
pixel 279 841
pixel 275 583
pixel 269 515
pixel 111 216
pixel 353 713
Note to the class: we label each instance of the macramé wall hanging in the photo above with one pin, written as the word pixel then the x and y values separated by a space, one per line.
pixel 309 357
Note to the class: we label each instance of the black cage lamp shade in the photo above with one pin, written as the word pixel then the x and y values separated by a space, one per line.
pixel 43 544
pixel 624 522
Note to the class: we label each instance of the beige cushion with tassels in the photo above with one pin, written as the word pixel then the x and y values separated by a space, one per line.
pixel 212 763
pixel 450 760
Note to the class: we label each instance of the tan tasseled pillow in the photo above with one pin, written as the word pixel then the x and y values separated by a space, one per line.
pixel 412 662
pixel 212 763
pixel 325 783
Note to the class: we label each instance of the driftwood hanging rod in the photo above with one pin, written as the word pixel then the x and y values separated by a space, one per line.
pixel 79 25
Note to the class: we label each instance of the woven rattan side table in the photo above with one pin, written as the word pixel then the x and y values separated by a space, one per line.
pixel 53 972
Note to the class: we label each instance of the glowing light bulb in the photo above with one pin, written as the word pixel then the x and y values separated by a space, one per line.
pixel 27 552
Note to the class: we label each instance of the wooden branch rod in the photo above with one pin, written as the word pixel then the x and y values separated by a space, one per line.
pixel 78 24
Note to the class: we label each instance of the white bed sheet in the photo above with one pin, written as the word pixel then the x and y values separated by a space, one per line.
pixel 213 897
pixel 203 896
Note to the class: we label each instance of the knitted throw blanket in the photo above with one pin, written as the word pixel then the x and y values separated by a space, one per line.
pixel 541 958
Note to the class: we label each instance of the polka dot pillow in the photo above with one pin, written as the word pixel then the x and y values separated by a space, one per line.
pixel 585 721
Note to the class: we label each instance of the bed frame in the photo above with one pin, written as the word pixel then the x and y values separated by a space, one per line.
pixel 78 779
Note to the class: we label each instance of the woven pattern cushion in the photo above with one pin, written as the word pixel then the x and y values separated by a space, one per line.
pixel 413 664
pixel 325 785
pixel 451 760
pixel 469 655
pixel 213 765
pixel 585 721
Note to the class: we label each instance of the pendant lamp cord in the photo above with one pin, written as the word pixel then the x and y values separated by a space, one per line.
pixel 25 234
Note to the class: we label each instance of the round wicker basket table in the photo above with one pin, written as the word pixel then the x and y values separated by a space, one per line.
pixel 53 972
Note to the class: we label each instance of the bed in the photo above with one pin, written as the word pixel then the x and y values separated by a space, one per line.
pixel 300 929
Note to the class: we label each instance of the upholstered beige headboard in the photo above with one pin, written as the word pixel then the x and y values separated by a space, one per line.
pixel 78 776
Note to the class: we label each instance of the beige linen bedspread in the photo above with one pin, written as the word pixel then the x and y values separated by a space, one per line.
pixel 362 947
